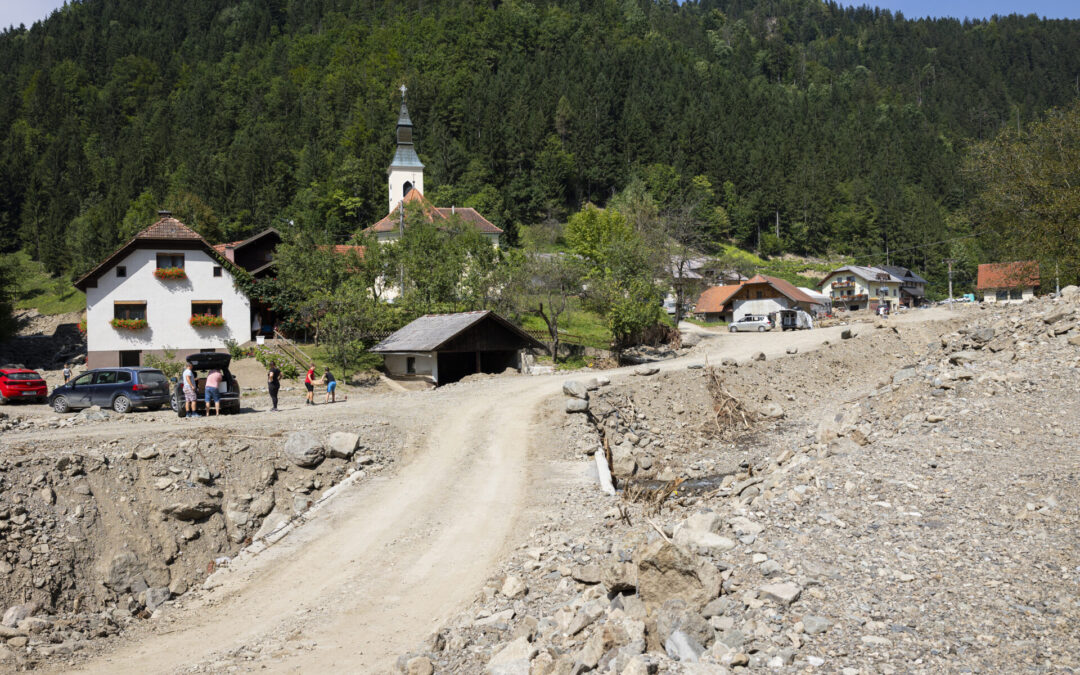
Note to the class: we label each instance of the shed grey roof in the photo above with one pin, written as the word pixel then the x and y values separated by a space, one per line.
pixel 868 273
pixel 904 273
pixel 432 331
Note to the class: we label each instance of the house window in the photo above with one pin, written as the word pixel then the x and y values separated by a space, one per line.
pixel 167 260
pixel 129 310
pixel 761 294
pixel 206 307
pixel 217 270
pixel 1016 294
pixel 410 364
pixel 121 271
pixel 1002 295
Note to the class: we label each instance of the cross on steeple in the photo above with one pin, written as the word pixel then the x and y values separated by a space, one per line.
pixel 403 90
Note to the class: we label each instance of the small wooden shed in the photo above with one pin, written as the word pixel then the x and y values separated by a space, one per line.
pixel 448 347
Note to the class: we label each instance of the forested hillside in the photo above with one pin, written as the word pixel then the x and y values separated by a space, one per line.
pixel 843 129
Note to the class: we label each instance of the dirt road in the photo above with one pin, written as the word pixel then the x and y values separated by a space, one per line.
pixel 382 563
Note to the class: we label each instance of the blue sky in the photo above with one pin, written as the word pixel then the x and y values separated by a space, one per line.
pixel 14 12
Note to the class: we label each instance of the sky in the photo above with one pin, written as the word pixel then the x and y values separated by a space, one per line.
pixel 14 12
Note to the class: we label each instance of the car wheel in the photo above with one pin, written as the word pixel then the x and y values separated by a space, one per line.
pixel 122 404
pixel 60 404
pixel 4 400
pixel 761 329
pixel 733 329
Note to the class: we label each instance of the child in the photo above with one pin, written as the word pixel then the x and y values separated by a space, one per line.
pixel 331 386
pixel 309 384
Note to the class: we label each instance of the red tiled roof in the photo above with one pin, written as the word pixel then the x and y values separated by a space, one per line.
pixel 783 287
pixel 165 229
pixel 1021 274
pixel 391 222
pixel 713 299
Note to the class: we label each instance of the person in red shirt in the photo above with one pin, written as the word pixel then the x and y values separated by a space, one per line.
pixel 309 383
pixel 213 381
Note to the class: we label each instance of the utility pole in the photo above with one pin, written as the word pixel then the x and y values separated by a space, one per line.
pixel 949 262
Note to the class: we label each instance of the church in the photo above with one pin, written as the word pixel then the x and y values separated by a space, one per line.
pixel 406 186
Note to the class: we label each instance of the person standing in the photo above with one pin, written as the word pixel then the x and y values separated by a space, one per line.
pixel 67 372
pixel 273 384
pixel 331 386
pixel 189 391
pixel 309 384
pixel 213 380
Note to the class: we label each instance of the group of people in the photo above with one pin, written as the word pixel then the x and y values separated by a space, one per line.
pixel 273 385
pixel 211 392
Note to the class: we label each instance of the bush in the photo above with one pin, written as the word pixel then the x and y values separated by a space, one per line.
pixel 236 351
pixel 288 369
pixel 166 363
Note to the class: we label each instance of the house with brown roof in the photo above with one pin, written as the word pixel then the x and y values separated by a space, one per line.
pixel 166 288
pixel 254 254
pixel 1008 282
pixel 406 186
pixel 761 296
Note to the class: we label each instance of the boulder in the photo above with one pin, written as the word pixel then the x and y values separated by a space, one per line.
pixel 622 459
pixel 772 410
pixel 514 587
pixel 784 593
pixel 512 659
pixel 691 339
pixel 1075 341
pixel 419 665
pixel 575 389
pixel 903 374
pixel 126 573
pixel 342 444
pixel 758 356
pixel 155 597
pixel 815 624
pixel 17 613
pixel 983 335
pixel 960 358
pixel 792 350
pixel 303 449
pixel 592 384
pixel 682 647
pixel 577 405
pixel 846 334
pixel 192 506
pixel 618 577
pixel 646 371
pixel 666 571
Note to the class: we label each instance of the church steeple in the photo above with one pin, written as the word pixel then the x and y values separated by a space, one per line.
pixel 406 170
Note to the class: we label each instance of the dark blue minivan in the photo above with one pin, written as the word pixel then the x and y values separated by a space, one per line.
pixel 122 389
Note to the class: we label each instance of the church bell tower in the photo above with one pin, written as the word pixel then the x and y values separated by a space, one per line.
pixel 406 170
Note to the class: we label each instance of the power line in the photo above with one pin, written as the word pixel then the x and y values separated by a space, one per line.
pixel 893 252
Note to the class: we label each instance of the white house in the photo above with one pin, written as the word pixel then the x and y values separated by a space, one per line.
pixel 1008 282
pixel 167 288
pixel 856 287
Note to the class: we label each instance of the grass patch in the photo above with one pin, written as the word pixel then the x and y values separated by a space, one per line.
pixel 704 324
pixel 569 363
pixel 36 289
pixel 581 323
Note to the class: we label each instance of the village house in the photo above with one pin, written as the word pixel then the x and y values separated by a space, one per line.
pixel 854 287
pixel 254 254
pixel 166 288
pixel 761 295
pixel 444 348
pixel 912 286
pixel 1008 282
pixel 406 186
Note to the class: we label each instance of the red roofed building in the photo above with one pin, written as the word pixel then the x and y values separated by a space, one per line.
pixel 1003 282
pixel 406 184
pixel 760 296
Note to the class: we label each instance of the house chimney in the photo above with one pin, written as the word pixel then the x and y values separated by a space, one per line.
pixel 165 214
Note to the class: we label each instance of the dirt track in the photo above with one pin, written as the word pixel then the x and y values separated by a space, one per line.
pixel 381 563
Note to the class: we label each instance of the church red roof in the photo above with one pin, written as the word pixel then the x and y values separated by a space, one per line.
pixel 467 215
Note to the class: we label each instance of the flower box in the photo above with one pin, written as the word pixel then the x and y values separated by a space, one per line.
pixel 206 321
pixel 170 273
pixel 82 326
pixel 128 324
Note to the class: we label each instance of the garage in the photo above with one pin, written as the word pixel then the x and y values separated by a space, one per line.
pixel 445 348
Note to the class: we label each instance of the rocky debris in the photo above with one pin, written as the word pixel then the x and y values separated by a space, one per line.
pixel 304 449
pixel 758 356
pixel 577 405
pixel 646 371
pixel 858 527
pixel 194 505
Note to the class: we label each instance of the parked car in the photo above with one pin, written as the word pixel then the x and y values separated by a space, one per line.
pixel 122 389
pixel 20 384
pixel 751 322
pixel 201 364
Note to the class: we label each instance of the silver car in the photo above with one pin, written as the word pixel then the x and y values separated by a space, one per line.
pixel 751 322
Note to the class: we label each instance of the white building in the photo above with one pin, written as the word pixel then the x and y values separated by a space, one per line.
pixel 406 186
pixel 855 287
pixel 1008 282
pixel 145 298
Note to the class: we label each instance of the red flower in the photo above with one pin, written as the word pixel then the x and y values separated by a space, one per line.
pixel 170 273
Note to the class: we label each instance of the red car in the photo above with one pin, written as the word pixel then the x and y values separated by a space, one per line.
pixel 21 384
